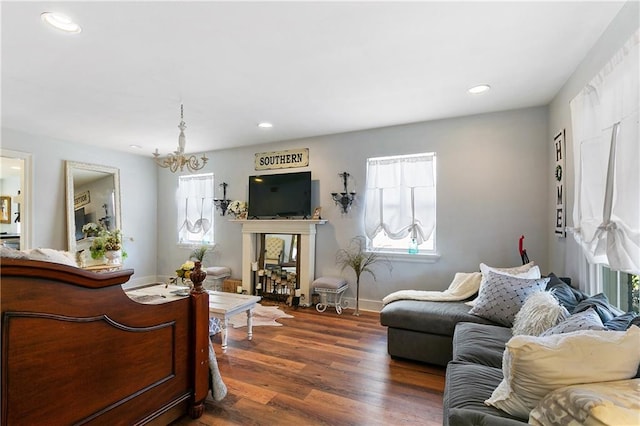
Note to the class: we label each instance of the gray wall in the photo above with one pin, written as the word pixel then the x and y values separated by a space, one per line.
pixel 563 252
pixel 138 189
pixel 491 189
pixel 494 184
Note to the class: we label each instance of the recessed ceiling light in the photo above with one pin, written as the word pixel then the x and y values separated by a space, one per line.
pixel 135 146
pixel 265 125
pixel 479 89
pixel 61 22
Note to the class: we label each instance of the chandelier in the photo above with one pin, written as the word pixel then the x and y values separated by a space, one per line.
pixel 178 159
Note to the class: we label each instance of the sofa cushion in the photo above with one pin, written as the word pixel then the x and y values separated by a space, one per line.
pixel 568 296
pixel 502 296
pixel 427 317
pixel 586 320
pixel 480 343
pixel 467 386
pixel 534 366
pixel 622 322
pixel 600 303
pixel 606 403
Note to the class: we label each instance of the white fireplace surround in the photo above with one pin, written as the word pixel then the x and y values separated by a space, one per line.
pixel 306 229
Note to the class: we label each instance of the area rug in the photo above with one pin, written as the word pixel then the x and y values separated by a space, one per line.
pixel 262 315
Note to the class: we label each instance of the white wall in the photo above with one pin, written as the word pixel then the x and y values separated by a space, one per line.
pixel 492 188
pixel 138 189
pixel 563 252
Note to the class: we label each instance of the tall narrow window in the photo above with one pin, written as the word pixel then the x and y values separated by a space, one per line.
pixel 195 209
pixel 606 129
pixel 400 203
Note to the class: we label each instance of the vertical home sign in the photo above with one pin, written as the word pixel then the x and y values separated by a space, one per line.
pixel 559 150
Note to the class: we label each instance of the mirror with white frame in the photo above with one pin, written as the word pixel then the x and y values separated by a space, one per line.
pixel 93 196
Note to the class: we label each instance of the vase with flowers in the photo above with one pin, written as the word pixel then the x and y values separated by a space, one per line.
pixel 91 229
pixel 238 208
pixel 188 274
pixel 108 244
pixel 183 273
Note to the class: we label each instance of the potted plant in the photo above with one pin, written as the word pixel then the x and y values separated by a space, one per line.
pixel 106 242
pixel 356 257
pixel 199 253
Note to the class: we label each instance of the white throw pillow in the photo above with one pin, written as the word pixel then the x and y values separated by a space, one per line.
pixel 540 312
pixel 529 270
pixel 534 366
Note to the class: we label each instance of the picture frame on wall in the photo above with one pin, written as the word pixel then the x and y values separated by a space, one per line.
pixel 5 209
pixel 316 213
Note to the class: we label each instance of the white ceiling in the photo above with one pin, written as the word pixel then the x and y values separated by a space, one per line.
pixel 310 68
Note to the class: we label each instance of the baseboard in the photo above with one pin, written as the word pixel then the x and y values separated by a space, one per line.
pixel 141 281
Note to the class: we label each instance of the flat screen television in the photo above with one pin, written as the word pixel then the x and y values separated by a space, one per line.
pixel 280 195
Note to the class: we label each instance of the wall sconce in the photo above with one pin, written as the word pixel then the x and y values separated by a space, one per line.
pixel 344 199
pixel 222 204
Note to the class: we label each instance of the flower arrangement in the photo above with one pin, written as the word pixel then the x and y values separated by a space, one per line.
pixel 183 272
pixel 91 229
pixel 237 207
pixel 106 241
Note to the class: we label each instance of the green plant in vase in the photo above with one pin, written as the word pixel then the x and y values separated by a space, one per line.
pixel 107 241
pixel 356 257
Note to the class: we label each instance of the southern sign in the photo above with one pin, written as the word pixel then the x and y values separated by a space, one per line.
pixel 81 199
pixel 282 159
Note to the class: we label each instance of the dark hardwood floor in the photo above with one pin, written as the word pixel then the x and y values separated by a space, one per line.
pixel 321 369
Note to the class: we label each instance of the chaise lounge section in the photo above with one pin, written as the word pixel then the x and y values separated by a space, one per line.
pixel 423 330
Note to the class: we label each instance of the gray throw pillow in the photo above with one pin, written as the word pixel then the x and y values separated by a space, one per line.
pixel 500 299
pixel 585 320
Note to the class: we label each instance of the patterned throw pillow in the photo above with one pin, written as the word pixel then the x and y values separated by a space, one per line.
pixel 585 320
pixel 502 296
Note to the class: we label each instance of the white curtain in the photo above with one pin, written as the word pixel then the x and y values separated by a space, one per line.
pixel 194 199
pixel 401 197
pixel 605 121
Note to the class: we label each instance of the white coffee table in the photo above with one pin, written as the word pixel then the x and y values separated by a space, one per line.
pixel 225 305
pixel 221 305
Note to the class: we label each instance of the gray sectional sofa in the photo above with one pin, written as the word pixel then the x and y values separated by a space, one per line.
pixel 471 347
pixel 446 334
pixel 473 374
pixel 423 331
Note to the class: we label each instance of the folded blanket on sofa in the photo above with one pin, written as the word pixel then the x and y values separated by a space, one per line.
pixel 463 286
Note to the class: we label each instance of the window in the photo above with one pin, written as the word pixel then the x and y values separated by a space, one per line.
pixel 606 214
pixel 605 122
pixel 194 199
pixel 621 289
pixel 400 203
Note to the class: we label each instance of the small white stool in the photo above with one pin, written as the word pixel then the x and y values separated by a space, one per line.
pixel 330 290
pixel 215 277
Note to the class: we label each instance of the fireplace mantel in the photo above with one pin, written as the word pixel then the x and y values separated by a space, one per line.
pixel 306 257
